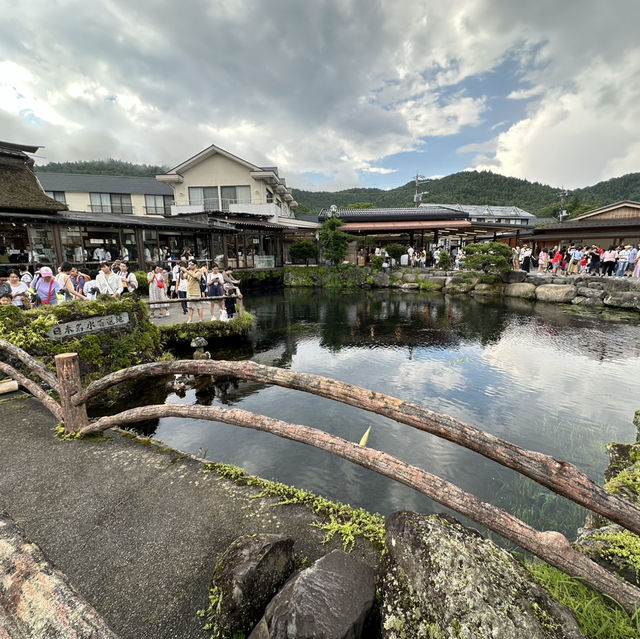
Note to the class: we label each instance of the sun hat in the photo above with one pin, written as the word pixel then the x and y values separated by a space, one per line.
pixel 45 271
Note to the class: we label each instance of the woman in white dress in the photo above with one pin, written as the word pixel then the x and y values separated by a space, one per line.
pixel 158 283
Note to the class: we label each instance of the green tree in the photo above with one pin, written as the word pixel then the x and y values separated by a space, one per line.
pixel 444 260
pixel 334 241
pixel 361 205
pixel 491 257
pixel 395 251
pixel 303 251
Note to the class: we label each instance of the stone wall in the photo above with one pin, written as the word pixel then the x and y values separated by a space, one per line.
pixel 580 290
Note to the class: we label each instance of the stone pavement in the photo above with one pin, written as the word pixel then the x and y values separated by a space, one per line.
pixel 135 528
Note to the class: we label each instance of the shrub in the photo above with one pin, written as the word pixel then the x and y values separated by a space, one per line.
pixel 490 257
pixel 303 251
pixel 395 251
pixel 444 260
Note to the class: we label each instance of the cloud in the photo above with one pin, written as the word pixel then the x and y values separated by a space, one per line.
pixel 331 88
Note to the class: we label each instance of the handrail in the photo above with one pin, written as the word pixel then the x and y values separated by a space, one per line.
pixel 559 476
pixel 31 362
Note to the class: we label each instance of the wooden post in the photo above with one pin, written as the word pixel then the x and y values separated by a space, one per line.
pixel 68 370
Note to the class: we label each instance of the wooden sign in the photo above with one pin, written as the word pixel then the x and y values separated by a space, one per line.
pixel 88 325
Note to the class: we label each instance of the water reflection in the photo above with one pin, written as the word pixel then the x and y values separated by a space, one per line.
pixel 541 376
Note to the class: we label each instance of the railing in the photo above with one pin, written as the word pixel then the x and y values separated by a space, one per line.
pixel 559 476
pixel 119 209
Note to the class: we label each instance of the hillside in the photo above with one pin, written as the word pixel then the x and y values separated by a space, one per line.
pixel 466 187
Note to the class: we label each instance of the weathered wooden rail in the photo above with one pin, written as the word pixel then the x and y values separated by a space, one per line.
pixel 561 477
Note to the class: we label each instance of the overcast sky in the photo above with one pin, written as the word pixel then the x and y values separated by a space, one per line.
pixel 337 93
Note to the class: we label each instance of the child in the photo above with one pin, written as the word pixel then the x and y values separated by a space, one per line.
pixel 6 299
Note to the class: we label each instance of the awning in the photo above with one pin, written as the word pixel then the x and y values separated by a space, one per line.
pixel 409 225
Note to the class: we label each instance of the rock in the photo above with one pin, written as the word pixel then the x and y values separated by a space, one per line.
pixel 454 279
pixel 629 299
pixel 540 278
pixel 513 277
pixel 523 290
pixel 590 302
pixel 198 342
pixel 397 275
pixel 437 279
pixel 410 285
pixel 445 580
pixel 200 354
pixel 613 548
pixel 454 289
pixel 487 289
pixel 35 599
pixel 247 575
pixel 330 600
pixel 381 280
pixel 409 277
pixel 555 293
pixel 599 284
pixel 586 291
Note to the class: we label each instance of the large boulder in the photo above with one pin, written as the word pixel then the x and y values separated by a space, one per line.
pixel 440 280
pixel 589 302
pixel 247 575
pixel 556 293
pixel 487 289
pixel 396 275
pixel 513 277
pixel 523 290
pixel 410 285
pixel 630 299
pixel 445 580
pixel 540 278
pixel 330 600
pixel 381 280
pixel 587 291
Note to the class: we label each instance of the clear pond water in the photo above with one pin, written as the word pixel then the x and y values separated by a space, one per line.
pixel 542 376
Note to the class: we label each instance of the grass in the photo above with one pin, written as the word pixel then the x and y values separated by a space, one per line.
pixel 599 616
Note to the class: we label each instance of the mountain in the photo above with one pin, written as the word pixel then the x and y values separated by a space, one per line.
pixel 481 187
pixel 466 187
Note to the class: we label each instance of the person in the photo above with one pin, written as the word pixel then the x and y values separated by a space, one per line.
pixel 193 275
pixel 90 289
pixel 108 282
pixel 525 258
pixel 631 260
pixel 124 253
pixel 45 287
pixel 609 260
pixel 158 283
pixel 556 260
pixel 230 289
pixel 543 260
pixel 98 254
pixel 147 254
pixel 32 256
pixel 63 278
pixel 6 299
pixel 19 291
pixel 623 260
pixel 181 286
pixel 636 262
pixel 594 260
pixel 25 275
pixel 78 279
pixel 129 280
pixel 215 283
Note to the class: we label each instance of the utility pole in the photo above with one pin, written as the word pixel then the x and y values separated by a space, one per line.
pixel 417 198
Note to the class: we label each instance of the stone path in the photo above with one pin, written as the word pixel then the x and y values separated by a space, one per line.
pixel 135 529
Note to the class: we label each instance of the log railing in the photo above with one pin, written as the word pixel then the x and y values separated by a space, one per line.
pixel 558 476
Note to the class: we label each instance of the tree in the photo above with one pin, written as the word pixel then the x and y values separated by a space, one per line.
pixel 395 251
pixel 303 251
pixel 444 260
pixel 491 257
pixel 334 241
pixel 361 205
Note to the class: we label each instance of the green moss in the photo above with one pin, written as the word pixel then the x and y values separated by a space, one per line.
pixel 343 520
pixel 626 482
pixel 237 328
pixel 624 545
pixel 426 285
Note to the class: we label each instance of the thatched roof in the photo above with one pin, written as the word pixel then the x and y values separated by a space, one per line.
pixel 19 187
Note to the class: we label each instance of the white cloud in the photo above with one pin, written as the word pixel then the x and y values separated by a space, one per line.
pixel 331 88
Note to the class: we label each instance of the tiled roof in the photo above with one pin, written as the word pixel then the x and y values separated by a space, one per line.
pixel 81 183
pixel 431 211
pixel 486 210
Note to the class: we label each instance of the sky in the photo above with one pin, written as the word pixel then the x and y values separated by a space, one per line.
pixel 336 93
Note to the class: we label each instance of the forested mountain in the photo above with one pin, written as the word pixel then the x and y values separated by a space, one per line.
pixel 482 187
pixel 466 187
pixel 103 167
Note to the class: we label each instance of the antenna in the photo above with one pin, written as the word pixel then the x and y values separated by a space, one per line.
pixel 420 179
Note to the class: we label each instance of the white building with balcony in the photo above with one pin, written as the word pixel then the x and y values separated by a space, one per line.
pixel 215 181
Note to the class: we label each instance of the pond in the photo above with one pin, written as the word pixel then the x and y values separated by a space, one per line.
pixel 546 377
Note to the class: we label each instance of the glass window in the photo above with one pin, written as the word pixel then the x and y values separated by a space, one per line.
pixel 42 244
pixel 111 203
pixel 234 195
pixel 57 195
pixel 100 202
pixel 157 204
pixel 206 195
pixel 121 203
pixel 72 244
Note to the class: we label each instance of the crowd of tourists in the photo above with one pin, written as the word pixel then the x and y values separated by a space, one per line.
pixel 615 261
pixel 186 280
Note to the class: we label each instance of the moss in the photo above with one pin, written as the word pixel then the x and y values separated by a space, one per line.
pixel 343 520
pixel 626 483
pixel 237 328
pixel 426 285
pixel 623 545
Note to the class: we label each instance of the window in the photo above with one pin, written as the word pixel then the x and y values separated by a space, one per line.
pixel 205 195
pixel 157 204
pixel 57 195
pixel 111 203
pixel 269 197
pixel 235 195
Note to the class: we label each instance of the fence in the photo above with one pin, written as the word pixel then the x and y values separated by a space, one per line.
pixel 560 477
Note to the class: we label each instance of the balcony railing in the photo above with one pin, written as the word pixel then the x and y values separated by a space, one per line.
pixel 118 209
pixel 158 210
